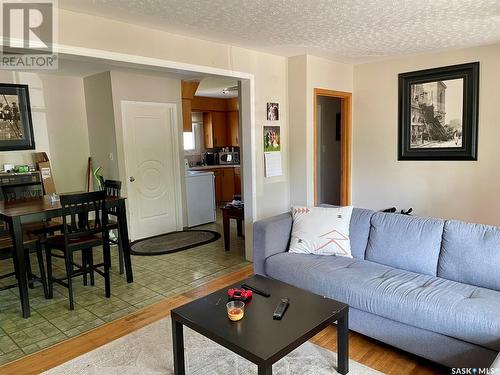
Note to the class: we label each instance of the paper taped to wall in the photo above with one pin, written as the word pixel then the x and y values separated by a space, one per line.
pixel 273 164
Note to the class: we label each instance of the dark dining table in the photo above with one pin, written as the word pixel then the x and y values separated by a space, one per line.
pixel 17 213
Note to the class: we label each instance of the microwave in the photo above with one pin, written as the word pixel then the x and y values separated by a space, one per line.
pixel 229 157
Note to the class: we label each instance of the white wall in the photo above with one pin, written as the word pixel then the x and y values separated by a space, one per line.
pixel 319 73
pixel 467 190
pixel 297 97
pixel 270 72
pixel 59 124
pixel 101 124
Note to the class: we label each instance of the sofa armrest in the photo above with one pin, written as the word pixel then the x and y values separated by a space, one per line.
pixel 496 366
pixel 270 236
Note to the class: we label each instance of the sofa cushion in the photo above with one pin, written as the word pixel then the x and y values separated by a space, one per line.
pixel 458 310
pixel 359 231
pixel 470 254
pixel 407 242
pixel 321 230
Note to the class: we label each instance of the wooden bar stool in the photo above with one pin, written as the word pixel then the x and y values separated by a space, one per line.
pixel 31 244
pixel 81 234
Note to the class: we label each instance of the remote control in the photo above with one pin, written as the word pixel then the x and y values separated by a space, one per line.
pixel 255 290
pixel 281 308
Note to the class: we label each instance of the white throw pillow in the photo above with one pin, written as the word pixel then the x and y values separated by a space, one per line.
pixel 321 230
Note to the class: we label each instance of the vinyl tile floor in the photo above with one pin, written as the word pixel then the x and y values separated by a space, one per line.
pixel 155 278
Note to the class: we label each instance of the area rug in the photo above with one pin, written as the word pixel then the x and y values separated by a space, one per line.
pixel 173 242
pixel 148 351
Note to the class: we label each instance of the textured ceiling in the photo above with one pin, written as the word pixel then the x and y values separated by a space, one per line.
pixel 356 30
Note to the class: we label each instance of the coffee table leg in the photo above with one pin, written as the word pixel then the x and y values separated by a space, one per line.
pixel 265 370
pixel 178 345
pixel 343 344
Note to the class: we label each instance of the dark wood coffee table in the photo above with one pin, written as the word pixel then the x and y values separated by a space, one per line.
pixel 257 337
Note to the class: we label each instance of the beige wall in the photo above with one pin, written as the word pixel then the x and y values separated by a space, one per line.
pixel 318 73
pixel 101 124
pixel 59 124
pixel 297 89
pixel 464 190
pixel 270 72
pixel 67 131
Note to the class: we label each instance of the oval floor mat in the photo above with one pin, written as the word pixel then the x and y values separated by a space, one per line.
pixel 172 242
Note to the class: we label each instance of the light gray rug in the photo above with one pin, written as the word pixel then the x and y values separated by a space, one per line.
pixel 148 351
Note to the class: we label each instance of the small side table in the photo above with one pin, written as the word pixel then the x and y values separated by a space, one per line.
pixel 232 212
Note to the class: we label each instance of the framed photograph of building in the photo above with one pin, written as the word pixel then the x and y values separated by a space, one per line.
pixel 438 113
pixel 16 127
pixel 273 111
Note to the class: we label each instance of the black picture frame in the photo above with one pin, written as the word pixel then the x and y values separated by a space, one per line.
pixel 425 135
pixel 16 125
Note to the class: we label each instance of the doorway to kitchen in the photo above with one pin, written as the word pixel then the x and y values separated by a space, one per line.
pixel 211 143
pixel 332 147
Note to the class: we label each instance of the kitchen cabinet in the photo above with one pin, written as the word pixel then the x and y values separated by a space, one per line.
pixel 237 181
pixel 208 130
pixel 233 128
pixel 219 129
pixel 227 184
pixel 187 124
pixel 188 89
pixel 214 129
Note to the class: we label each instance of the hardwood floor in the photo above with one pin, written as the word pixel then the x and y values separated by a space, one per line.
pixel 362 349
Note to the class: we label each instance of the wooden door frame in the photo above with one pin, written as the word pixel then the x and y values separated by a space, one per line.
pixel 345 142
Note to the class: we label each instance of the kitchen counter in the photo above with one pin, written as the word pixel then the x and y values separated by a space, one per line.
pixel 205 167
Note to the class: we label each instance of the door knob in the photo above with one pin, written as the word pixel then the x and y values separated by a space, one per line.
pixel 131 179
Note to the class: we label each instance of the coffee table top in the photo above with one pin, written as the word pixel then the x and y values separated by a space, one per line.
pixel 258 337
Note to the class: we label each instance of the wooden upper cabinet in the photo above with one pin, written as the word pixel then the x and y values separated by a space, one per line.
pixel 187 124
pixel 219 129
pixel 220 120
pixel 208 130
pixel 233 128
pixel 188 89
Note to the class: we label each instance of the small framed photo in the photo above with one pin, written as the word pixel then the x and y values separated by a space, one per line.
pixel 273 113
pixel 16 127
pixel 438 113
pixel 272 139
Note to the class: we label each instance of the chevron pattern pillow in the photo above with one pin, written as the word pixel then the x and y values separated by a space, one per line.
pixel 321 230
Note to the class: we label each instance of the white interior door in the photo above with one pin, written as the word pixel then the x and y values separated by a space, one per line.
pixel 151 164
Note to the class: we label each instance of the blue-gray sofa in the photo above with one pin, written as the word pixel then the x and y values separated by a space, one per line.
pixel 428 286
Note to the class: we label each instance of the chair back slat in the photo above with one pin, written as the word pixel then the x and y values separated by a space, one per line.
pixel 113 189
pixel 78 208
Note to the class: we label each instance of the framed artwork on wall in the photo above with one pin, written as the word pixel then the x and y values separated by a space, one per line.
pixel 16 126
pixel 438 113
pixel 273 112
